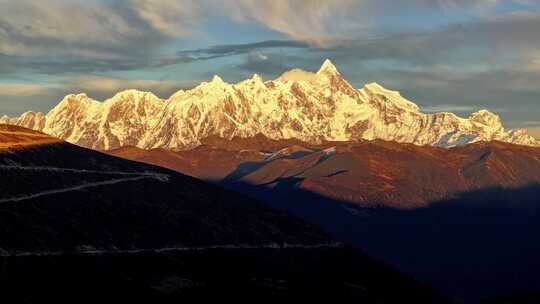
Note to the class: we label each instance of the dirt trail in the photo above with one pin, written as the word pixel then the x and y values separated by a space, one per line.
pixel 133 176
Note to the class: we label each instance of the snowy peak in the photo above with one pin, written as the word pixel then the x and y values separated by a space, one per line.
pixel 72 105
pixel 32 120
pixel 386 98
pixel 310 107
pixel 216 84
pixel 487 118
pixel 375 87
pixel 134 95
pixel 75 100
pixel 133 98
pixel 256 78
pixel 255 83
pixel 217 80
pixel 298 75
pixel 328 68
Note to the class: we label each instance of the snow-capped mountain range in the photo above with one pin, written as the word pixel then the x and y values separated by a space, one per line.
pixel 311 107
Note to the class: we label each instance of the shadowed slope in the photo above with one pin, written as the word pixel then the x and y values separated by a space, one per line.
pixel 463 219
pixel 61 197
pixel 79 224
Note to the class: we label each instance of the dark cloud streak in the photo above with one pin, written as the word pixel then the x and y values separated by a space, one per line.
pixel 226 50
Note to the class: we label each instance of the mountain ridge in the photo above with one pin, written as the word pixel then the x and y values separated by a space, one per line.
pixel 374 173
pixel 310 107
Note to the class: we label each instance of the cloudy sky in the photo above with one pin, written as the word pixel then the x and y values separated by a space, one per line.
pixel 446 55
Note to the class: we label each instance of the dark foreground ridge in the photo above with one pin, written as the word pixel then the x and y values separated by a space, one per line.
pixel 246 276
pixel 60 197
pixel 80 226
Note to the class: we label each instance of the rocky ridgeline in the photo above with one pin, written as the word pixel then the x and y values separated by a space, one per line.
pixel 311 107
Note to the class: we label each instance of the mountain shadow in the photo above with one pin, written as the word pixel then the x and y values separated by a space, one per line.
pixel 516 298
pixel 472 247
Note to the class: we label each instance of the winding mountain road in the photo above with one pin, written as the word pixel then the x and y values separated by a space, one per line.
pixel 4 253
pixel 130 176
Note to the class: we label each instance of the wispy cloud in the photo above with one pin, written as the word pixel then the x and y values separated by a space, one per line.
pixel 318 22
pixel 19 97
pixel 255 52
pixel 235 49
pixel 93 29
pixel 129 34
pixel 110 85
pixel 531 123
pixel 100 86
pixel 30 27
pixel 22 89
pixel 479 4
pixel 16 64
pixel 326 23
pixel 172 18
pixel 450 108
pixel 534 132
